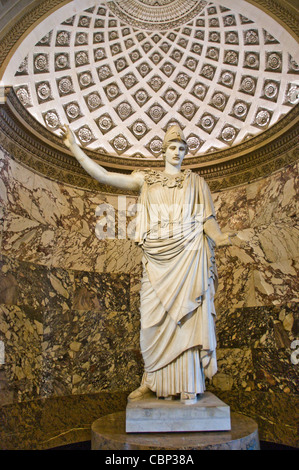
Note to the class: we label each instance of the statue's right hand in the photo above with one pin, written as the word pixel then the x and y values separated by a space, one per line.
pixel 67 135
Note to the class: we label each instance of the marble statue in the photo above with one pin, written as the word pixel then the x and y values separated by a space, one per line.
pixel 177 231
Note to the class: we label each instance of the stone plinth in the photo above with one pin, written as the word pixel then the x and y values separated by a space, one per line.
pixel 209 413
pixel 109 433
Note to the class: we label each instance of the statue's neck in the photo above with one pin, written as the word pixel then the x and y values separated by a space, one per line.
pixel 171 169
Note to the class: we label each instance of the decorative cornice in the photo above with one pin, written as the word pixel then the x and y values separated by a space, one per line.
pixel 24 146
pixel 281 12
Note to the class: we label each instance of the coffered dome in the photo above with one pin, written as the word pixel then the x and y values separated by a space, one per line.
pixel 120 72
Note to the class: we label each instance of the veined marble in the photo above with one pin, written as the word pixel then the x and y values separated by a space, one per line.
pixel 274 198
pixel 274 371
pixel 232 209
pixel 261 267
pixel 258 327
pixel 235 370
pixel 52 224
pixel 21 331
pixel 88 253
pixel 66 335
pixel 35 286
pixel 16 186
pixel 75 251
pixel 26 239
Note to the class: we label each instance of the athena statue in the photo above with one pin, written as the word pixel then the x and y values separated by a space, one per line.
pixel 177 231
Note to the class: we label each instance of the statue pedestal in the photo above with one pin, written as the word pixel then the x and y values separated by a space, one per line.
pixel 109 432
pixel 209 413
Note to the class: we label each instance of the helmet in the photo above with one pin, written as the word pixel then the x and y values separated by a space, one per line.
pixel 173 133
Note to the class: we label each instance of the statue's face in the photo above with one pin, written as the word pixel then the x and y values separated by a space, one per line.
pixel 175 152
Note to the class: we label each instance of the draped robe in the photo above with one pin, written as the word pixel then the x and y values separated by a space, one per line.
pixel 177 336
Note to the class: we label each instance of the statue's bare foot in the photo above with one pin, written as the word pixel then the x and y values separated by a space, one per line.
pixel 188 398
pixel 139 393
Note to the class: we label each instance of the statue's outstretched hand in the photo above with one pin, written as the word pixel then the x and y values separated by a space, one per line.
pixel 67 135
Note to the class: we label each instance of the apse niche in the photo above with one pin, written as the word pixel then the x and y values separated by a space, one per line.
pixel 119 73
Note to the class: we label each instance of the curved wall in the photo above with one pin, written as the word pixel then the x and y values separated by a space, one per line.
pixel 69 316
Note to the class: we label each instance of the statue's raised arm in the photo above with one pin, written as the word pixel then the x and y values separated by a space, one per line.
pixel 119 180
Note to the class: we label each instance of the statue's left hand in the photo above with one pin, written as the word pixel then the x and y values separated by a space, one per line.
pixel 225 239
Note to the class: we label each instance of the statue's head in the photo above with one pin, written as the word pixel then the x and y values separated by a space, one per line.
pixel 174 133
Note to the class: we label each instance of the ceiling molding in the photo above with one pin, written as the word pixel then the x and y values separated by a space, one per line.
pixel 36 147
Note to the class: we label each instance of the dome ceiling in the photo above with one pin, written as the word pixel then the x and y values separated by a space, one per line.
pixel 120 72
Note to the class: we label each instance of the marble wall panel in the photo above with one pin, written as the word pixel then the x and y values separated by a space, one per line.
pixel 51 288
pixel 117 212
pixel 103 345
pixel 86 252
pixel 274 197
pixel 101 291
pixel 35 286
pixel 75 352
pixel 26 239
pixel 104 329
pixel 135 286
pixel 91 351
pixel 50 422
pixel 235 279
pixel 276 283
pixel 44 201
pixel 231 208
pixel 6 392
pixel 9 287
pixel 273 242
pixel 57 205
pixel 258 327
pixel 123 256
pixel 245 327
pixel 75 251
pixel 256 344
pixel 274 413
pixel 21 331
pixel 235 370
pixel 16 185
pixel 261 267
pixel 56 378
pixel 57 225
pixel 18 420
pixel 274 370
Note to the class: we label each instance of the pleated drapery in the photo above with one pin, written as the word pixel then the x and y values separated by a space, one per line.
pixel 177 336
pixel 184 374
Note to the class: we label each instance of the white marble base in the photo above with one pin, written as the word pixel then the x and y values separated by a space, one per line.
pixel 209 413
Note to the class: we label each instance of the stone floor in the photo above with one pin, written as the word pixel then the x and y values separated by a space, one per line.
pixel 87 446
